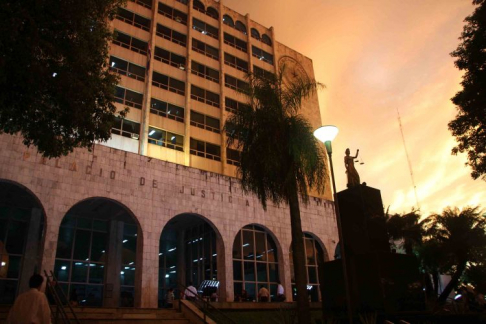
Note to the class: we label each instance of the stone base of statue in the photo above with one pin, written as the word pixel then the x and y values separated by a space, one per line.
pixel 379 280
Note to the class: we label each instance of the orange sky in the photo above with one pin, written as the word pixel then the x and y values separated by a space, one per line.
pixel 377 56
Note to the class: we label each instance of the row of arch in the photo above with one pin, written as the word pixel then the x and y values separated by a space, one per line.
pixel 100 247
pixel 238 25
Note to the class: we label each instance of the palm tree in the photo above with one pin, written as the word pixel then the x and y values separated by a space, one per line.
pixel 280 158
pixel 461 237
pixel 406 228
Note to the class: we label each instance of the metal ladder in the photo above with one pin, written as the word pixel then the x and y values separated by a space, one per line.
pixel 59 315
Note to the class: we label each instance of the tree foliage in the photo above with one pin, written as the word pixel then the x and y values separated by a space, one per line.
pixel 469 125
pixel 455 240
pixel 57 91
pixel 280 158
pixel 406 228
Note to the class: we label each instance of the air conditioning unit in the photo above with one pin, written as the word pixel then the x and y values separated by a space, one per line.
pixel 182 67
pixel 178 19
pixel 135 136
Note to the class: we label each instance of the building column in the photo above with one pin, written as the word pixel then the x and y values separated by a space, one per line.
pixel 138 269
pixel 225 270
pixel 144 123
pixel 187 108
pixel 111 295
pixel 53 222
pixel 284 271
pixel 148 269
pixel 30 260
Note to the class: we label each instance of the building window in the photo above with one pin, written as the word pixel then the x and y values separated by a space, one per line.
pixel 199 6
pixel 255 262
pixel 205 29
pixel 205 150
pixel 266 40
pixel 133 19
pixel 184 2
pixel 129 42
pixel 235 42
pixel 205 96
pixel 167 110
pixel 314 255
pixel 262 55
pixel 205 49
pixel 166 139
pixel 123 67
pixel 204 71
pixel 145 3
pixel 240 27
pixel 235 62
pixel 126 128
pixel 172 13
pixel 255 34
pixel 233 157
pixel 128 97
pixel 233 106
pixel 205 122
pixel 172 35
pixel 227 20
pixel 213 13
pixel 167 83
pixel 170 58
pixel 263 73
pixel 234 83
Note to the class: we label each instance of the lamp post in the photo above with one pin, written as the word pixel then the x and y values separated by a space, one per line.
pixel 326 134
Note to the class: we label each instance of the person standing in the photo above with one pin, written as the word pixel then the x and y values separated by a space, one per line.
pixel 263 294
pixel 191 292
pixel 280 292
pixel 31 306
pixel 170 298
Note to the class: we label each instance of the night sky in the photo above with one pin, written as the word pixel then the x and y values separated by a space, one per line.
pixel 376 57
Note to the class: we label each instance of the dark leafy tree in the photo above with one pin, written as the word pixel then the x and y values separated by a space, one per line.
pixel 280 158
pixel 406 228
pixel 469 125
pixel 458 238
pixel 57 91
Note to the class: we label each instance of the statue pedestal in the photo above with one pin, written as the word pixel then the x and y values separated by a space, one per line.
pixel 378 279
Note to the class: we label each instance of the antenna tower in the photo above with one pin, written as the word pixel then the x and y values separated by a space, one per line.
pixel 408 160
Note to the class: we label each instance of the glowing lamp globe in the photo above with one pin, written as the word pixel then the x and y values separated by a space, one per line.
pixel 326 134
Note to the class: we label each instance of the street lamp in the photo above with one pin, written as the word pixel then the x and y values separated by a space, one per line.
pixel 326 134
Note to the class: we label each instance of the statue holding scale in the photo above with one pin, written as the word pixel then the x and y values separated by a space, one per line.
pixel 353 176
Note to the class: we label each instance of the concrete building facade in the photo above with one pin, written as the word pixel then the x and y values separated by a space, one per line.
pixel 158 205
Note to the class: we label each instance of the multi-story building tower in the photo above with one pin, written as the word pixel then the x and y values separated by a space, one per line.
pixel 158 205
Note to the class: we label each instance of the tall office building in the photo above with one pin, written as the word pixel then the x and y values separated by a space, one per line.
pixel 158 204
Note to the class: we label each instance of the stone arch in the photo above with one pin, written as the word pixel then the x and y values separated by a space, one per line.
pixel 199 256
pixel 228 21
pixel 255 33
pixel 212 12
pixel 266 40
pixel 199 6
pixel 22 235
pixel 99 253
pixel 255 265
pixel 240 26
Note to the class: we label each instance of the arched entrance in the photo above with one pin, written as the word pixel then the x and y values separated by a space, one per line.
pixel 255 262
pixel 96 257
pixel 21 239
pixel 316 255
pixel 191 251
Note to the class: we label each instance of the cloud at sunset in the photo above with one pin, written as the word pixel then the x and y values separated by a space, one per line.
pixel 376 57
